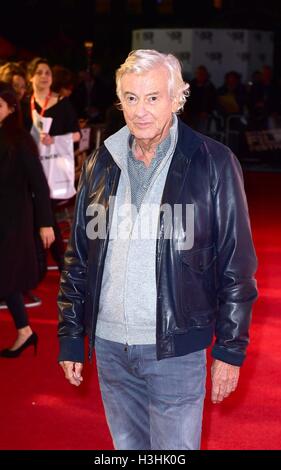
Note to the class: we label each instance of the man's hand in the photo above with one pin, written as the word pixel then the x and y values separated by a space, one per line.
pixel 72 371
pixel 224 380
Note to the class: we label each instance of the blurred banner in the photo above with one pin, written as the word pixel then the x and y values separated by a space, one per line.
pixel 220 50
pixel 264 141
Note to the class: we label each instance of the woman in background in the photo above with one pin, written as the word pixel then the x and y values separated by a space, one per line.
pixel 23 192
pixel 14 74
pixel 49 104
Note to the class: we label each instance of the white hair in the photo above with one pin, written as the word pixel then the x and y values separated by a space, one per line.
pixel 144 60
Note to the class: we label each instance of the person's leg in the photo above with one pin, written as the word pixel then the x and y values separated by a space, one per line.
pixel 16 306
pixel 176 388
pixel 151 404
pixel 57 248
pixel 124 395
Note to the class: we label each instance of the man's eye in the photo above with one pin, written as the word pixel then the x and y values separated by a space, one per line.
pixel 131 99
pixel 152 98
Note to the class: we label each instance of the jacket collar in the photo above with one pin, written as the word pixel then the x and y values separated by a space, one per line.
pixel 188 142
pixel 118 143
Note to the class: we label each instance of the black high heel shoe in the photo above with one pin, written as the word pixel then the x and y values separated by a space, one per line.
pixel 32 340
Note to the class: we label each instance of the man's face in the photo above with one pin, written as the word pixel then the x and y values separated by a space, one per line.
pixel 146 103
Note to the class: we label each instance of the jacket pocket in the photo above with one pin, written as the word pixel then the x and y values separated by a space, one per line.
pixel 198 260
pixel 198 283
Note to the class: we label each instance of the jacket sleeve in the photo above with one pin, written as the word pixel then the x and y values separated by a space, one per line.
pixel 38 184
pixel 71 297
pixel 236 265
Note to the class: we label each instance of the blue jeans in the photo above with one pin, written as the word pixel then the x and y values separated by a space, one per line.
pixel 150 404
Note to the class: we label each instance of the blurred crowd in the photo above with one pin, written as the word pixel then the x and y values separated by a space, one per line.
pixel 255 105
pixel 89 92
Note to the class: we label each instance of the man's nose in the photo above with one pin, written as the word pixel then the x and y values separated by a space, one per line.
pixel 140 107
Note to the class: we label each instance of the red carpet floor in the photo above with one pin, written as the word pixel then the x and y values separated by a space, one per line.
pixel 40 410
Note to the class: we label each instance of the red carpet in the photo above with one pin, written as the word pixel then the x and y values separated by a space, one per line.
pixel 40 410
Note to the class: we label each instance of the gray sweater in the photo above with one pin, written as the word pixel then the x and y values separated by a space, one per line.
pixel 127 309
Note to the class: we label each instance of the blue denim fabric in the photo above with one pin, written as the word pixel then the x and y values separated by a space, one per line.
pixel 150 404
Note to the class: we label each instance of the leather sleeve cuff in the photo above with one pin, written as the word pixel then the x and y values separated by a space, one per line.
pixel 71 349
pixel 230 357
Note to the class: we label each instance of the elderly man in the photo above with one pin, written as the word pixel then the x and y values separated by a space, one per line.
pixel 160 260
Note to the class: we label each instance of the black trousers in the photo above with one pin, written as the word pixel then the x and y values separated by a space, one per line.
pixel 18 311
pixel 57 248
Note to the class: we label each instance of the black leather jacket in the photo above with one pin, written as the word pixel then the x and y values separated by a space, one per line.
pixel 204 290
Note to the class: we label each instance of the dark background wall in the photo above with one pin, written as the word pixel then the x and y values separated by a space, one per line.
pixel 58 28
